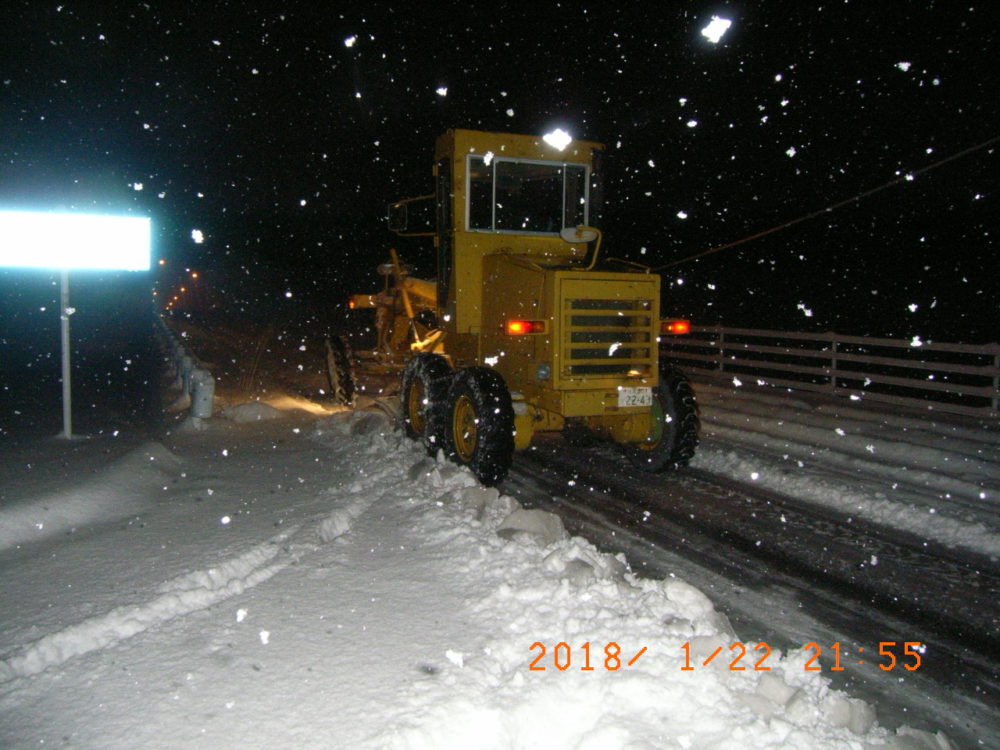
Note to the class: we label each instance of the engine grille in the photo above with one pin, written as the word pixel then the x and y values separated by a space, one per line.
pixel 607 337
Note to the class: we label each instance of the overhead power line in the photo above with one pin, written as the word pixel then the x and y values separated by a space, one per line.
pixel 833 207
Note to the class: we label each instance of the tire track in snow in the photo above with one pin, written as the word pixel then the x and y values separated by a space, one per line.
pixel 180 596
pixel 204 588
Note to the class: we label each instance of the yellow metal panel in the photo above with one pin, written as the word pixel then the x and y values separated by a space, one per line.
pixel 462 142
pixel 586 331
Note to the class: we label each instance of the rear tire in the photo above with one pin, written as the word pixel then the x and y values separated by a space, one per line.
pixel 338 370
pixel 480 424
pixel 424 394
pixel 675 434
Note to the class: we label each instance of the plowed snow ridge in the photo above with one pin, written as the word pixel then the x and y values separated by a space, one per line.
pixel 183 595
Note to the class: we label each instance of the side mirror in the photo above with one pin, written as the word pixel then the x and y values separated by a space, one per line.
pixel 579 234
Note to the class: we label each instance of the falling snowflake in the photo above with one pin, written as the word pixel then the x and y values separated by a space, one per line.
pixel 904 66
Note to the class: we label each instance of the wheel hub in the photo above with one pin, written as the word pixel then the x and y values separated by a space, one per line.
pixel 465 428
pixel 415 405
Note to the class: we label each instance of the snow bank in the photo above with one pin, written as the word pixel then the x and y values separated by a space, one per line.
pixel 251 411
pixel 117 492
pixel 609 648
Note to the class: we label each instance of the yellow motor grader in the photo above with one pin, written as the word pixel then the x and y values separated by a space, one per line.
pixel 527 327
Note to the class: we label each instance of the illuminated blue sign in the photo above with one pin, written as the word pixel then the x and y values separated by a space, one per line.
pixel 36 239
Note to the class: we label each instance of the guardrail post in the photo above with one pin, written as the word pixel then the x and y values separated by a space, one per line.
pixel 202 393
pixel 187 365
pixel 833 365
pixel 995 401
pixel 722 348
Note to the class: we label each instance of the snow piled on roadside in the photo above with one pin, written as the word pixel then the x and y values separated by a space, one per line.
pixel 100 498
pixel 536 585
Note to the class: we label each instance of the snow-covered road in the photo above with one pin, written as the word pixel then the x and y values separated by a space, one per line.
pixel 937 476
pixel 294 582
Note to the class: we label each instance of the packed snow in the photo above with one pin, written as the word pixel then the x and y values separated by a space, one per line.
pixel 363 594
pixel 936 476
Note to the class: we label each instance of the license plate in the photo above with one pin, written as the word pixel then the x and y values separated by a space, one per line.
pixel 629 396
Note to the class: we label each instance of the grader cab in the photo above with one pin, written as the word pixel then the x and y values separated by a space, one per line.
pixel 527 327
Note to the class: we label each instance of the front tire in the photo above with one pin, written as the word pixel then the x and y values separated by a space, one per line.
pixel 424 392
pixel 480 424
pixel 675 431
pixel 338 370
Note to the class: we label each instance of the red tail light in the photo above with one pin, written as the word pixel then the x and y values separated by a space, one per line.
pixel 521 327
pixel 675 326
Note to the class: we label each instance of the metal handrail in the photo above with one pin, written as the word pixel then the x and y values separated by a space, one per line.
pixel 946 377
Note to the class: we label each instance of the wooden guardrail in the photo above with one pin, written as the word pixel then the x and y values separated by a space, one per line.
pixel 952 378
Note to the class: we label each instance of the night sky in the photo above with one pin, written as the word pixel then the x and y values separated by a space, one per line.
pixel 282 134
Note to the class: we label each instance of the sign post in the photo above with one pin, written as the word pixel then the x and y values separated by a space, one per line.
pixel 66 241
pixel 64 313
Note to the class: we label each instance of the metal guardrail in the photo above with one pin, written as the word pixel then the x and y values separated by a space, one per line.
pixel 951 378
pixel 196 384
